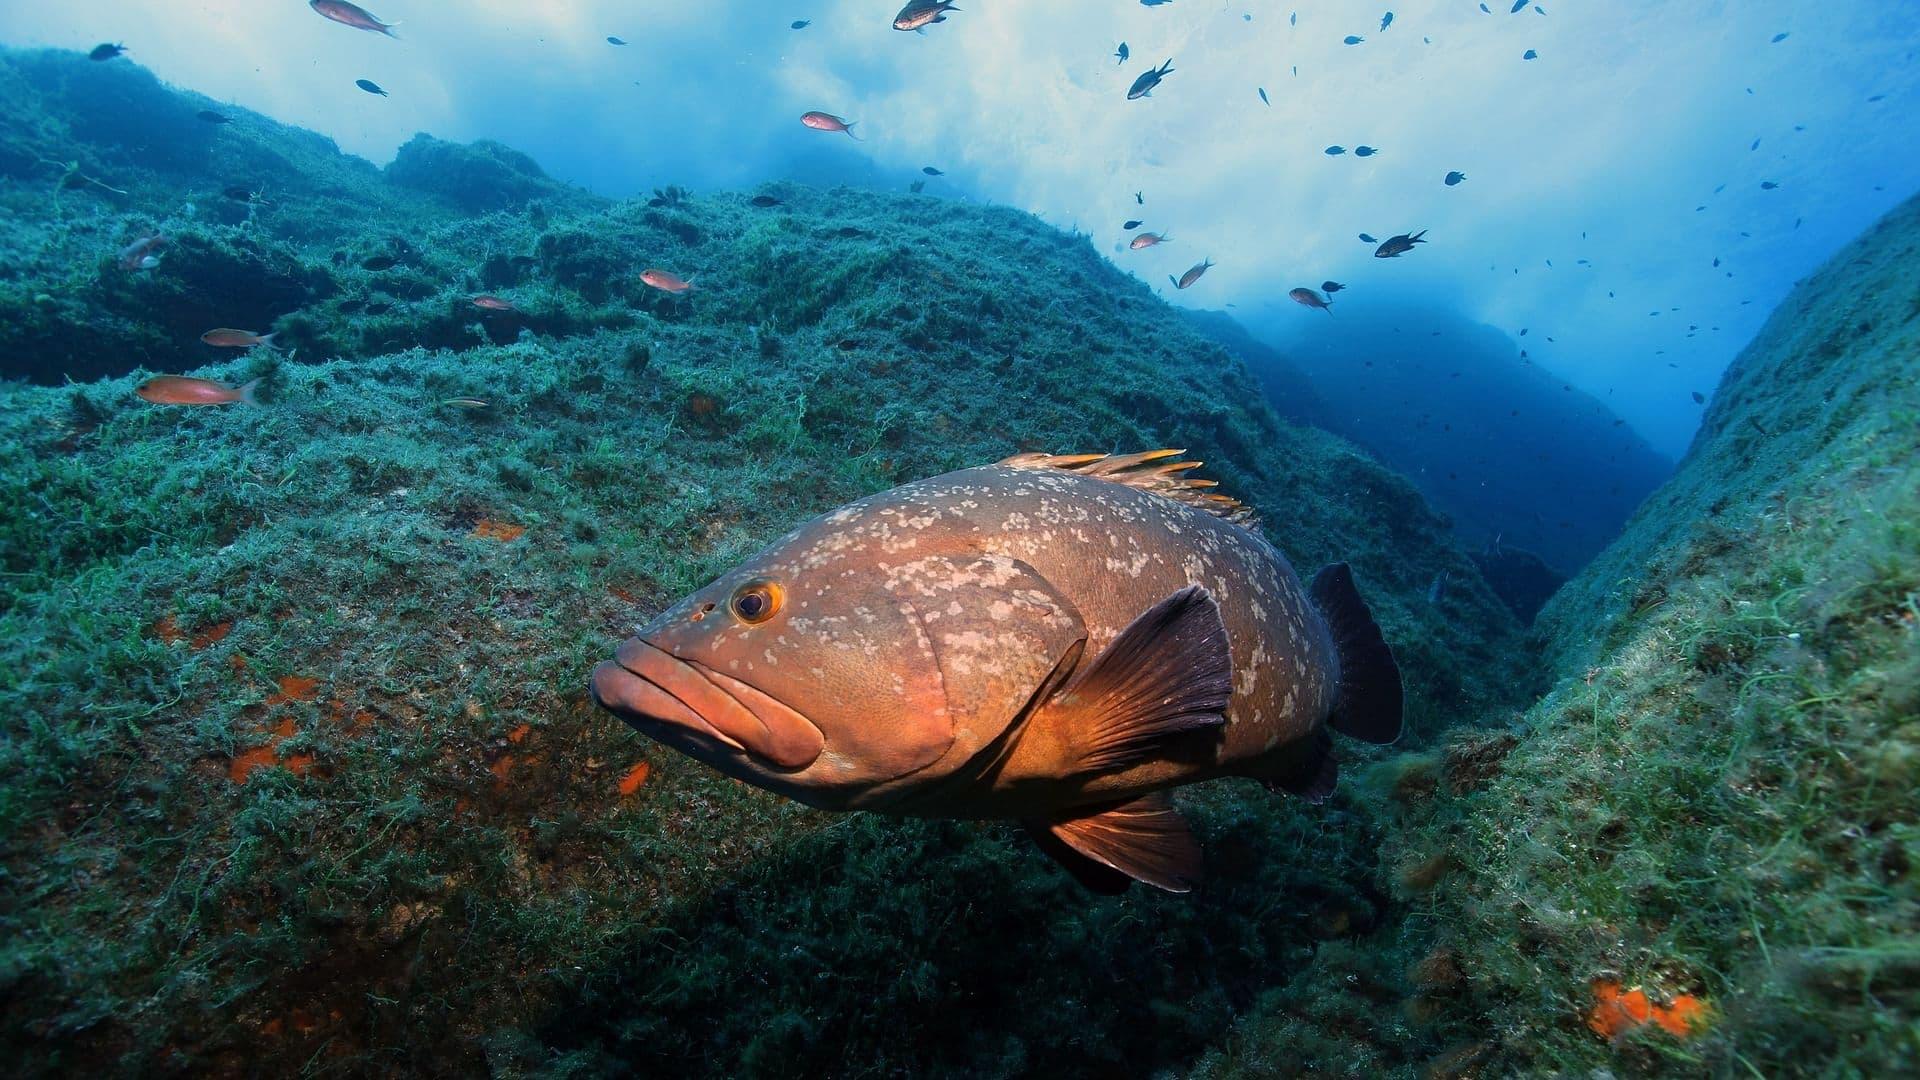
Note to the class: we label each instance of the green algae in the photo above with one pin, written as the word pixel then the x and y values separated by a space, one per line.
pixel 1716 799
pixel 389 604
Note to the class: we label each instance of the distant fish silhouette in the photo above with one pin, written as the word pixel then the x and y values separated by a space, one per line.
pixel 615 41
pixel 800 24
pixel 369 86
pixel 1120 54
pixel 1335 151
pixel 763 201
pixel 1365 151
pixel 1365 239
pixel 1354 39
pixel 1140 198
pixel 1530 55
pixel 1131 225
pixel 1386 20
pixel 1149 79
pixel 1698 399
pixel 1778 38
pixel 1518 7
pixel 1331 287
pixel 1395 246
pixel 106 52
pixel 1454 178
pixel 1263 97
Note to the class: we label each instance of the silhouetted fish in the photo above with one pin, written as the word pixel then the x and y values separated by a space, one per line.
pixel 1131 225
pixel 1364 151
pixel 1454 178
pixel 106 52
pixel 1120 54
pixel 1263 97
pixel 1366 239
pixel 800 24
pixel 369 86
pixel 931 171
pixel 1335 151
pixel 1530 55
pixel 764 201
pixel 1331 287
pixel 1698 398
pixel 1354 39
pixel 1386 20
pixel 615 41
pixel 1395 246
pixel 1149 79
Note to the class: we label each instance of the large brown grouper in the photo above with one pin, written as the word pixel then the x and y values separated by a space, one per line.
pixel 1054 639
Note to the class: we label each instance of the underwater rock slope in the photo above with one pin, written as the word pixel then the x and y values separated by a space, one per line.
pixel 298 761
pixel 1697 855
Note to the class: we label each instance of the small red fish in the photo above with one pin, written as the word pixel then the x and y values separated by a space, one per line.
pixel 493 303
pixel 1192 275
pixel 820 121
pixel 352 15
pixel 1146 240
pixel 139 255
pixel 182 390
pixel 1306 297
pixel 665 281
pixel 224 338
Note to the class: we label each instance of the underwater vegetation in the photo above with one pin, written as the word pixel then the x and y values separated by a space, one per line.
pixel 1695 855
pixel 299 764
pixel 298 770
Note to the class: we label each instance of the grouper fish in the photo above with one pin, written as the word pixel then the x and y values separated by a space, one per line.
pixel 1057 640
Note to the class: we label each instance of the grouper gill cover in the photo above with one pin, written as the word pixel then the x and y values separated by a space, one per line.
pixel 1096 538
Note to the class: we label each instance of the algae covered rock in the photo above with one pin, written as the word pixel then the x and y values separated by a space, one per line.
pixel 477 176
pixel 295 696
pixel 1697 853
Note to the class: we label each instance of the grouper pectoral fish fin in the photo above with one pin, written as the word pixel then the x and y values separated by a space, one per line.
pixel 1142 840
pixel 1168 673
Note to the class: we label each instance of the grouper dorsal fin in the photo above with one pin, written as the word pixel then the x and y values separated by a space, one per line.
pixel 1148 471
pixel 1142 840
pixel 1169 672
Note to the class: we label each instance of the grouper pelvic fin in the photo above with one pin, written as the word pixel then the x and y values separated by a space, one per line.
pixel 1141 840
pixel 1148 472
pixel 1169 672
pixel 1368 702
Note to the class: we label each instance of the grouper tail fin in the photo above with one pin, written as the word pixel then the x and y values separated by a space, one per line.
pixel 1369 699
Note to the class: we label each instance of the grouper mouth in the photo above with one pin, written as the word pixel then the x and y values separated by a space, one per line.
pixel 694 708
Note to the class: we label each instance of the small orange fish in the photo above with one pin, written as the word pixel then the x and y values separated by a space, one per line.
pixel 820 121
pixel 1192 275
pixel 182 390
pixel 139 255
pixel 665 281
pixel 493 303
pixel 1146 240
pixel 352 15
pixel 224 338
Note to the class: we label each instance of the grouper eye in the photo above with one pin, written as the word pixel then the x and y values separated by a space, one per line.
pixel 756 601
